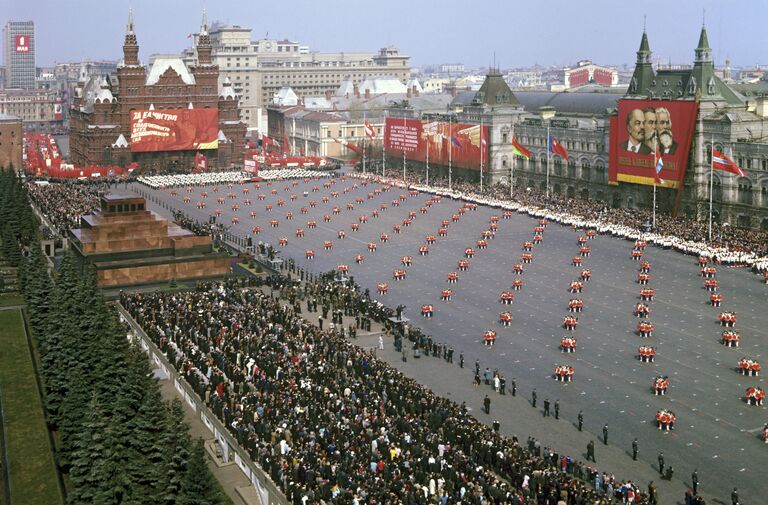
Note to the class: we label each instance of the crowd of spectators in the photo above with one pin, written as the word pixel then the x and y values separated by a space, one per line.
pixel 724 235
pixel 63 203
pixel 328 421
pixel 201 229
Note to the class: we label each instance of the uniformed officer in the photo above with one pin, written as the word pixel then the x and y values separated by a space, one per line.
pixel 581 420
pixel 502 385
pixel 634 449
pixel 487 404
pixel 557 409
pixel 661 463
pixel 533 398
pixel 496 425
pixel 514 387
pixel 605 434
pixel 695 481
pixel 591 451
pixel 653 494
pixel 735 497
pixel 546 407
pixel 461 360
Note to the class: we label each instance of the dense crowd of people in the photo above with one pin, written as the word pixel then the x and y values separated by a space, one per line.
pixel 64 203
pixel 330 422
pixel 202 229
pixel 730 242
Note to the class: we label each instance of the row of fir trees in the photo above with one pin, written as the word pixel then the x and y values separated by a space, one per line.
pixel 117 441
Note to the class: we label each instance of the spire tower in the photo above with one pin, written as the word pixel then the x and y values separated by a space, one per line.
pixel 130 45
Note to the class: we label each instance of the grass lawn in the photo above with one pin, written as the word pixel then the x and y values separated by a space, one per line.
pixel 33 477
pixel 10 299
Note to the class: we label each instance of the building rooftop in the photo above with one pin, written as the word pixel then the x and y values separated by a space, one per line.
pixel 160 65
pixel 569 103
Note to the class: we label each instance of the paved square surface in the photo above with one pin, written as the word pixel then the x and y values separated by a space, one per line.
pixel 717 432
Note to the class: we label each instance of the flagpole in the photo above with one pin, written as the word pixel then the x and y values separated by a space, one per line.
pixel 549 157
pixel 404 128
pixel 481 155
pixel 711 171
pixel 293 140
pixel 653 225
pixel 450 152
pixel 383 155
pixel 512 168
pixel 365 128
pixel 428 142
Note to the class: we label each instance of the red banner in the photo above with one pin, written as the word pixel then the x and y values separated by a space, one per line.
pixel 461 143
pixel 251 166
pixel 174 129
pixel 642 127
pixel 22 43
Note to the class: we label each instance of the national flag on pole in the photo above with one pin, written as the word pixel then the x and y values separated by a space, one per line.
pixel 518 149
pixel 658 163
pixel 455 142
pixel 723 162
pixel 369 131
pixel 555 147
pixel 266 141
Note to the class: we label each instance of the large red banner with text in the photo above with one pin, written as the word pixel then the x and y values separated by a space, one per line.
pixel 461 143
pixel 174 129
pixel 644 132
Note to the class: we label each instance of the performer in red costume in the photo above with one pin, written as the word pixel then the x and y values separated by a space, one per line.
pixel 646 353
pixel 568 344
pixel 660 385
pixel 563 373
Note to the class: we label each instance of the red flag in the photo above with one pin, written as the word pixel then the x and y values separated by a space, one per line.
pixel 285 143
pixel 266 141
pixel 518 149
pixel 354 147
pixel 369 131
pixel 723 162
pixel 555 147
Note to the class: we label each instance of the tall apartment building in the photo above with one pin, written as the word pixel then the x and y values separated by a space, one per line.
pixel 259 68
pixel 19 58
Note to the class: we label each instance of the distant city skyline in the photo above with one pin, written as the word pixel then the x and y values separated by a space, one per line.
pixel 556 33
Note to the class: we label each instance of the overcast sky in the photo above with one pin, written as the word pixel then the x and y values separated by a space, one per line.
pixel 521 33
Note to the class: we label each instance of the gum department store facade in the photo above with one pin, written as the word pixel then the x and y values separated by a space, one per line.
pixel 581 122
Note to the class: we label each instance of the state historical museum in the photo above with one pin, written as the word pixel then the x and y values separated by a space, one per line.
pixel 159 119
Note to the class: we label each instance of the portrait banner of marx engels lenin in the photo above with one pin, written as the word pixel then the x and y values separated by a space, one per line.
pixel 646 131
